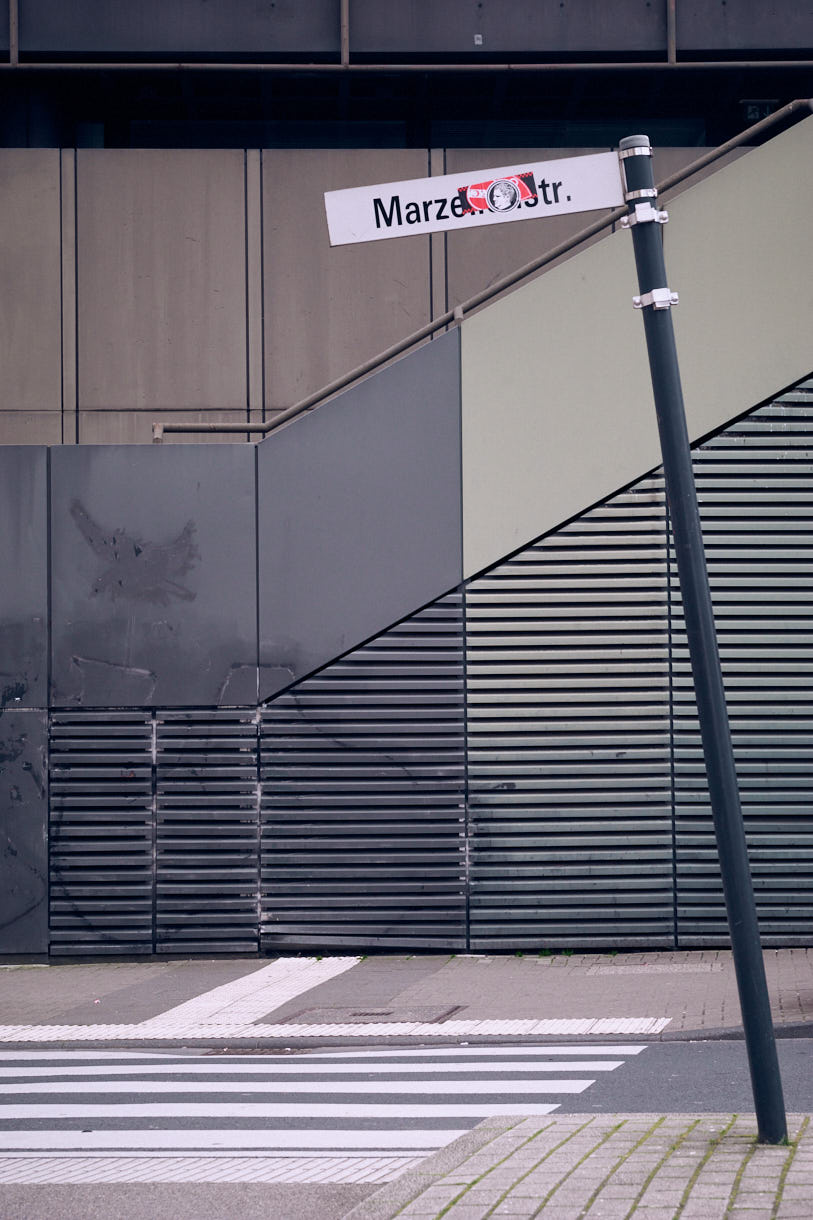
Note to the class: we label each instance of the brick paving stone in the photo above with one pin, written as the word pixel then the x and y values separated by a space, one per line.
pixel 484 1198
pixel 465 1211
pixel 751 1213
pixel 613 1190
pixel 515 1208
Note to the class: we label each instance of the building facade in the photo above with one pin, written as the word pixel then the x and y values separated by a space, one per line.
pixel 410 671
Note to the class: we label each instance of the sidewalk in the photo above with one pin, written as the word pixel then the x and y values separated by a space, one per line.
pixel 608 1167
pixel 251 1003
pixel 559 1167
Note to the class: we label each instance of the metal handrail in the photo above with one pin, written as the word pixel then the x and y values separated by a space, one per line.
pixel 456 315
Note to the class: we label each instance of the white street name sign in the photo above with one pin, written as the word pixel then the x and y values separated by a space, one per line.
pixel 470 199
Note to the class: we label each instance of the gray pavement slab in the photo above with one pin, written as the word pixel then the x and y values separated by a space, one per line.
pixel 104 992
pixel 692 992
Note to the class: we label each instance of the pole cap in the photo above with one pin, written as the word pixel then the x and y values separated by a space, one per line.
pixel 633 142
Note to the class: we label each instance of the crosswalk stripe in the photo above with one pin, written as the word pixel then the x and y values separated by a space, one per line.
pixel 214 1139
pixel 66 1115
pixel 261 1110
pixel 214 1068
pixel 270 1088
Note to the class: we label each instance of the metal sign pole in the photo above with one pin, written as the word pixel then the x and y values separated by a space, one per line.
pixel 656 301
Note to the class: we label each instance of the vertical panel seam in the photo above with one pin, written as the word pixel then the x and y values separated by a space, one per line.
pixel 433 336
pixel 262 284
pixel 466 817
pixel 247 302
pixel 154 829
pixel 257 572
pixel 48 644
pixel 465 633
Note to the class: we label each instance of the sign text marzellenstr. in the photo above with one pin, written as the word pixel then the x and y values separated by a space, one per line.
pixel 468 200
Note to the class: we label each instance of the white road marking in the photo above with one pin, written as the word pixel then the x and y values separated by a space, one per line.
pixel 210 1140
pixel 255 994
pixel 492 1052
pixel 321 1167
pixel 180 1031
pixel 121 1116
pixel 429 1085
pixel 270 1067
pixel 260 1110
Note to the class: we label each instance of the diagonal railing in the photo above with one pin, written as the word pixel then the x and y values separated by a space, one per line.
pixel 793 110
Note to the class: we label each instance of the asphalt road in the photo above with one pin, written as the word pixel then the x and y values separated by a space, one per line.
pixel 686 1077
pixel 344 1104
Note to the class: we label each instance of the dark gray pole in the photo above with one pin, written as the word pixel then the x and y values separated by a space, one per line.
pixel 655 302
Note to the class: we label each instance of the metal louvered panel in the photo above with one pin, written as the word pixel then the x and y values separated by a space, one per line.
pixel 755 485
pixel 568 731
pixel 207 832
pixel 363 796
pixel 101 832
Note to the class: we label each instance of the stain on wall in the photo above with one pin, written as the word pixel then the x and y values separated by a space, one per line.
pixel 153 576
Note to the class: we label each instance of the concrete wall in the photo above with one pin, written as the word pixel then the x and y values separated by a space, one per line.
pixel 398 27
pixel 200 285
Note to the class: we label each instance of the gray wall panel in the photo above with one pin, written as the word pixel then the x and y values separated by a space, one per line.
pixel 755 487
pixel 161 272
pixel 391 26
pixel 568 736
pixel 362 782
pixel 153 576
pixel 24 587
pixel 740 26
pixel 24 806
pixel 359 513
pixel 183 27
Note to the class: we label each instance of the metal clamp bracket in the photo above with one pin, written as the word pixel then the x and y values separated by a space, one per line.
pixel 644 212
pixel 637 150
pixel 647 192
pixel 658 298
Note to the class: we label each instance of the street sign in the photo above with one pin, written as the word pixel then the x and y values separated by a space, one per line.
pixel 470 199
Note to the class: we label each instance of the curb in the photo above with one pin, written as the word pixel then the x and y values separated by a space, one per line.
pixel 795 1029
pixel 395 1195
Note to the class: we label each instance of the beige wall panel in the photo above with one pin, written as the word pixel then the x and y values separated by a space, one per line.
pixel 70 422
pixel 437 244
pixel 738 250
pixel 161 279
pixel 30 427
pixel 557 401
pixel 135 427
pixel 326 309
pixel 30 346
